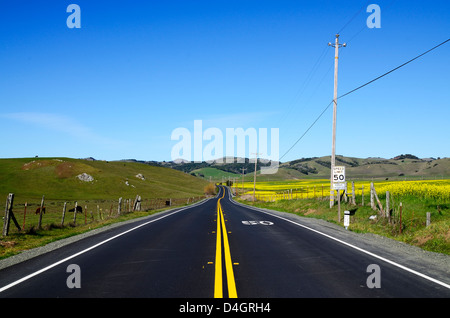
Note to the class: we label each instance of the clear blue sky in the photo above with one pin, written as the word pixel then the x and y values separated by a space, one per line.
pixel 136 70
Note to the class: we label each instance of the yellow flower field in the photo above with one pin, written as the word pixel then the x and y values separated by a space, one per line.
pixel 302 189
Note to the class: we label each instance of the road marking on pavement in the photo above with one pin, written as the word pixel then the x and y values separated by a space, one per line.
pixel 218 283
pixel 350 245
pixel 92 247
pixel 218 289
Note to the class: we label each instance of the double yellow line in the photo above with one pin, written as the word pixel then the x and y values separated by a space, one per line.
pixel 218 282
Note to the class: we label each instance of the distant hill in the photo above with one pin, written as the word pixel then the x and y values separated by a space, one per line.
pixel 401 166
pixel 72 179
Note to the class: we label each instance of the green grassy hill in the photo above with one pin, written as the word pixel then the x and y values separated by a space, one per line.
pixel 57 179
pixel 404 166
pixel 215 174
pixel 400 167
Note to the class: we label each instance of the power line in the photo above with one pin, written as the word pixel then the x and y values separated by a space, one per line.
pixel 306 130
pixel 359 87
pixel 305 83
pixel 354 16
pixel 394 69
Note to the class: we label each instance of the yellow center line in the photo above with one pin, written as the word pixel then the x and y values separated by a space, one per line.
pixel 218 284
pixel 228 264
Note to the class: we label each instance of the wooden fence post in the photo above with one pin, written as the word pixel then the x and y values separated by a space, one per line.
pixel 137 203
pixel 24 216
pixel 378 201
pixel 9 215
pixel 353 193
pixel 372 202
pixel 41 212
pixel 345 193
pixel 428 218
pixel 6 219
pixel 362 195
pixel 388 213
pixel 64 213
pixel 120 206
pixel 75 213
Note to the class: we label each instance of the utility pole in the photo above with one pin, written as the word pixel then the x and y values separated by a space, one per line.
pixel 336 46
pixel 254 176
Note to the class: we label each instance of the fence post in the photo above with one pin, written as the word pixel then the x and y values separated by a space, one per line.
pixel 75 213
pixel 401 208
pixel 137 203
pixel 64 213
pixel 41 212
pixel 353 193
pixel 24 216
pixel 120 206
pixel 428 218
pixel 372 202
pixel 8 213
pixel 388 213
pixel 345 193
pixel 362 195
pixel 378 201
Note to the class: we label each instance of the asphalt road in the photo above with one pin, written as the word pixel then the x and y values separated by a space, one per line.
pixel 220 248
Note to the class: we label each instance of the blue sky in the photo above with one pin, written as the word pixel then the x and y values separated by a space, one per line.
pixel 135 71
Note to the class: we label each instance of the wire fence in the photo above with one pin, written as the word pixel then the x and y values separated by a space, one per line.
pixel 26 216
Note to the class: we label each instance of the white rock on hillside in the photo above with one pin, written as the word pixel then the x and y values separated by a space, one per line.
pixel 85 177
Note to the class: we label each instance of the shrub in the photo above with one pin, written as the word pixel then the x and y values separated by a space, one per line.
pixel 210 189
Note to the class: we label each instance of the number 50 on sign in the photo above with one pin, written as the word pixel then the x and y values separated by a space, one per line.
pixel 339 174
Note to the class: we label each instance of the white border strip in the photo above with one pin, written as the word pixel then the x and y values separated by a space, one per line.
pixel 92 247
pixel 350 245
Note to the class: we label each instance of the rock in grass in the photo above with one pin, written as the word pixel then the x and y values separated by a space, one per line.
pixel 85 177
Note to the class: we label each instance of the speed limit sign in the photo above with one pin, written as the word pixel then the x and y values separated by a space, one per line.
pixel 339 174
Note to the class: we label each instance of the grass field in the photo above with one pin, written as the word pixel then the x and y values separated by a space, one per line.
pixel 56 179
pixel 305 198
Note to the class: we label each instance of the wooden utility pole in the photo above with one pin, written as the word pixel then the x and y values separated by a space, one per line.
pixel 336 46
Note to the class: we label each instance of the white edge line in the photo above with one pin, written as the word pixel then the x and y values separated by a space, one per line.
pixel 91 248
pixel 351 245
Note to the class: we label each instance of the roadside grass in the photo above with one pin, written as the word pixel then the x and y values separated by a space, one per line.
pixel 411 229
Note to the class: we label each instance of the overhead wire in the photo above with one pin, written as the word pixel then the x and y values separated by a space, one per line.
pixel 394 69
pixel 359 87
pixel 305 83
pixel 308 78
pixel 354 16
